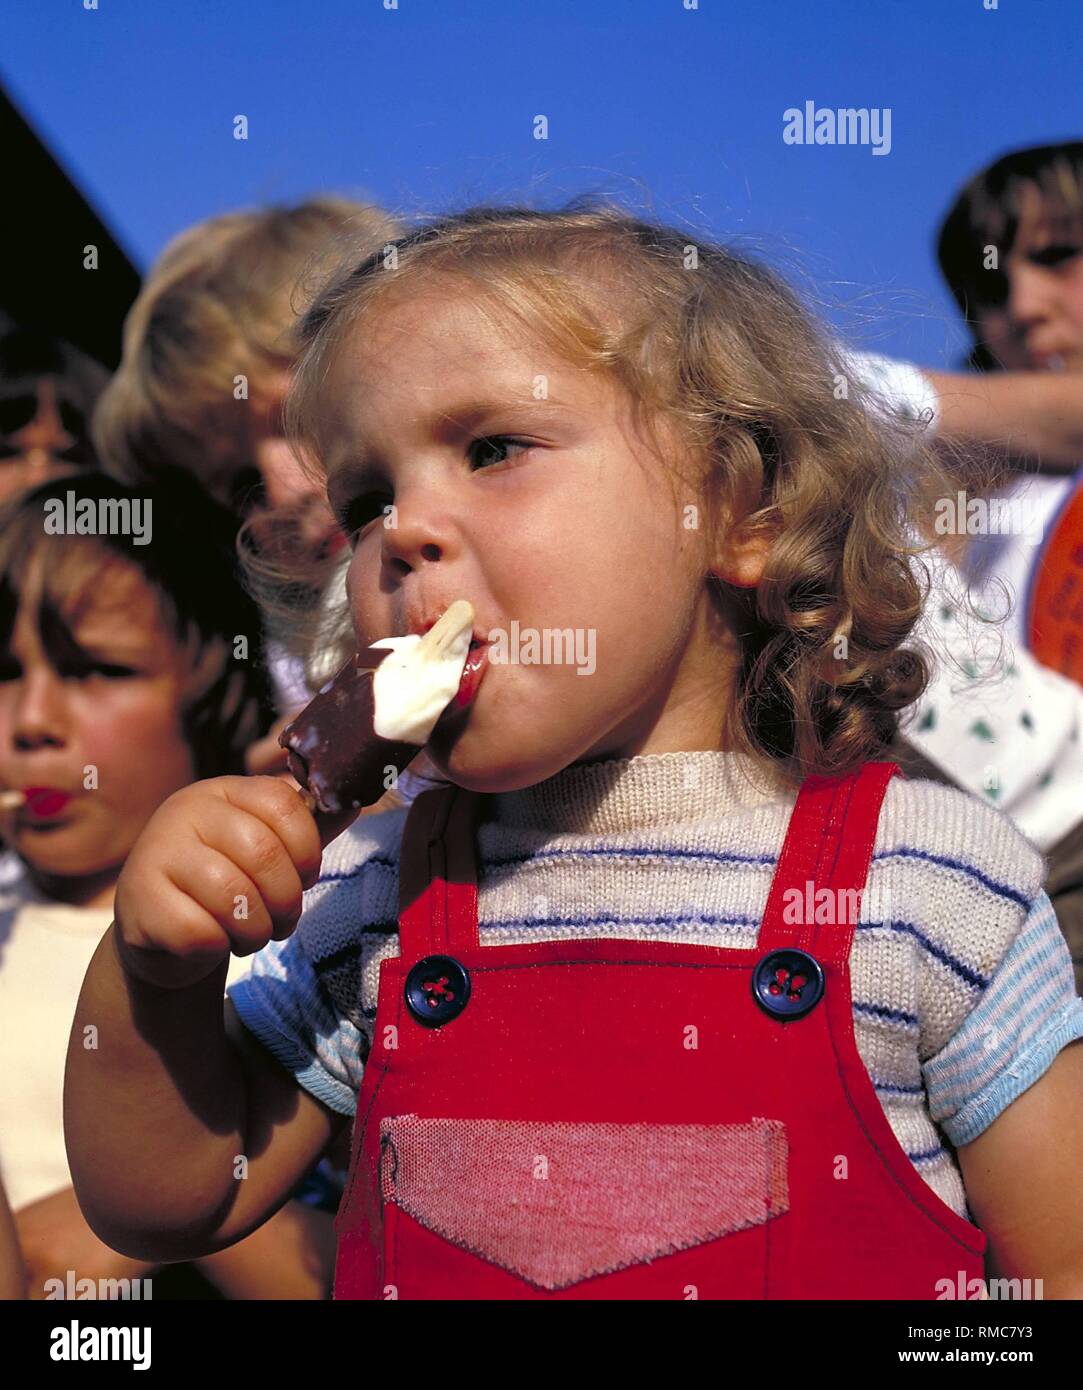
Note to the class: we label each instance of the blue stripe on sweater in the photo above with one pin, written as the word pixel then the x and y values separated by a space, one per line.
pixel 972 977
pixel 889 1088
pixel 379 861
pixel 633 852
pixel 1000 890
pixel 707 919
pixel 891 1015
pixel 671 924
pixel 926 1155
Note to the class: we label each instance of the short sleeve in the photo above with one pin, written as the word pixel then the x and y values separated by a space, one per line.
pixel 895 388
pixel 1028 1012
pixel 281 1004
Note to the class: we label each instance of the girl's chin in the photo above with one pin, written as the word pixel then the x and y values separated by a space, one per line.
pixel 59 855
pixel 491 771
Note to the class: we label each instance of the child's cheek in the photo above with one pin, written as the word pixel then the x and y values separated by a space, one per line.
pixel 7 722
pixel 132 747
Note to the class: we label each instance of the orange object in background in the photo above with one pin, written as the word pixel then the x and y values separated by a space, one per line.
pixel 1055 595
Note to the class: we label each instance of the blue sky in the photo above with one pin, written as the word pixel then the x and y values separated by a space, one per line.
pixel 431 106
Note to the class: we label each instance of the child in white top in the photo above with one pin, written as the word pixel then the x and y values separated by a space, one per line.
pixel 119 685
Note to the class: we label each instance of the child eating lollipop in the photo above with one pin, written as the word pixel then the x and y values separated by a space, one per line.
pixel 126 672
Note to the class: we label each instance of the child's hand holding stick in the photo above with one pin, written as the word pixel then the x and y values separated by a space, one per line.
pixel 221 868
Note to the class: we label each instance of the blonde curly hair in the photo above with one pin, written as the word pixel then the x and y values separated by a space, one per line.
pixel 221 303
pixel 785 441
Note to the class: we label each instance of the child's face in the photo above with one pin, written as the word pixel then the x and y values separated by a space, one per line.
pixel 1040 325
pixel 290 493
pixel 92 699
pixel 36 452
pixel 575 525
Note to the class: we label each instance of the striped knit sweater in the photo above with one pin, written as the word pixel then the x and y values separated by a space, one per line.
pixel 962 985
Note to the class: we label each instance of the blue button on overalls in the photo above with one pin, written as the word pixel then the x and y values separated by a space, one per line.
pixel 788 983
pixel 437 989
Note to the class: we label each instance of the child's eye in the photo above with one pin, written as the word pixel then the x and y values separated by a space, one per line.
pixel 994 289
pixel 359 511
pixel 498 443
pixel 354 515
pixel 82 670
pixel 113 672
pixel 1055 254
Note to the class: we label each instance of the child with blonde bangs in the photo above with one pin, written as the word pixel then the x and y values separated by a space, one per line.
pixel 676 989
pixel 208 347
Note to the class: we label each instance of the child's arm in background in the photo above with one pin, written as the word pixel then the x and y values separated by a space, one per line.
pixel 1036 416
pixel 168 1092
pixel 54 1238
pixel 12 1269
pixel 292 1255
pixel 1024 1181
pixel 1030 420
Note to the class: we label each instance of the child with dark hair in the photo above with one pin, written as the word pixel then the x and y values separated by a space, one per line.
pixel 130 665
pixel 48 391
pixel 676 989
pixel 1008 724
pixel 1020 220
pixel 1011 249
pixel 1002 716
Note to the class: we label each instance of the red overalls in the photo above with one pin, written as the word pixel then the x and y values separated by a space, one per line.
pixel 630 1119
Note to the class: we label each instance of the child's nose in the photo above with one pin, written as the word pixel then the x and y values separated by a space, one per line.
pixel 40 711
pixel 422 527
pixel 1030 295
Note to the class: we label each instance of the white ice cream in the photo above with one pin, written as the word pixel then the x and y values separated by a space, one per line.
pixel 413 686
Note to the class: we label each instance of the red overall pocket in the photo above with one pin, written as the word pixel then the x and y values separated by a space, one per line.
pixel 482 1208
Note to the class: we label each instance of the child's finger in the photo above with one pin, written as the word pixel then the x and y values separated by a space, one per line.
pixel 195 943
pixel 280 807
pixel 254 849
pixel 230 898
pixel 266 757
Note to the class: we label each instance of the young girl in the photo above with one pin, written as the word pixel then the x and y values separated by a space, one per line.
pixel 125 674
pixel 48 390
pixel 208 345
pixel 612 1010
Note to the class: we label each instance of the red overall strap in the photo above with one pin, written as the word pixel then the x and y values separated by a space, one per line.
pixel 828 845
pixel 438 850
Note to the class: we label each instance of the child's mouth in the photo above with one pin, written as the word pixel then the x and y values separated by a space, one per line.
pixel 44 803
pixel 477 660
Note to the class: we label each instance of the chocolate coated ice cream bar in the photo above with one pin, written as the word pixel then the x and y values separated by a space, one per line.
pixel 376 713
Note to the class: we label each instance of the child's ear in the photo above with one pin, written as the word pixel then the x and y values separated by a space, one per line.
pixel 741 557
